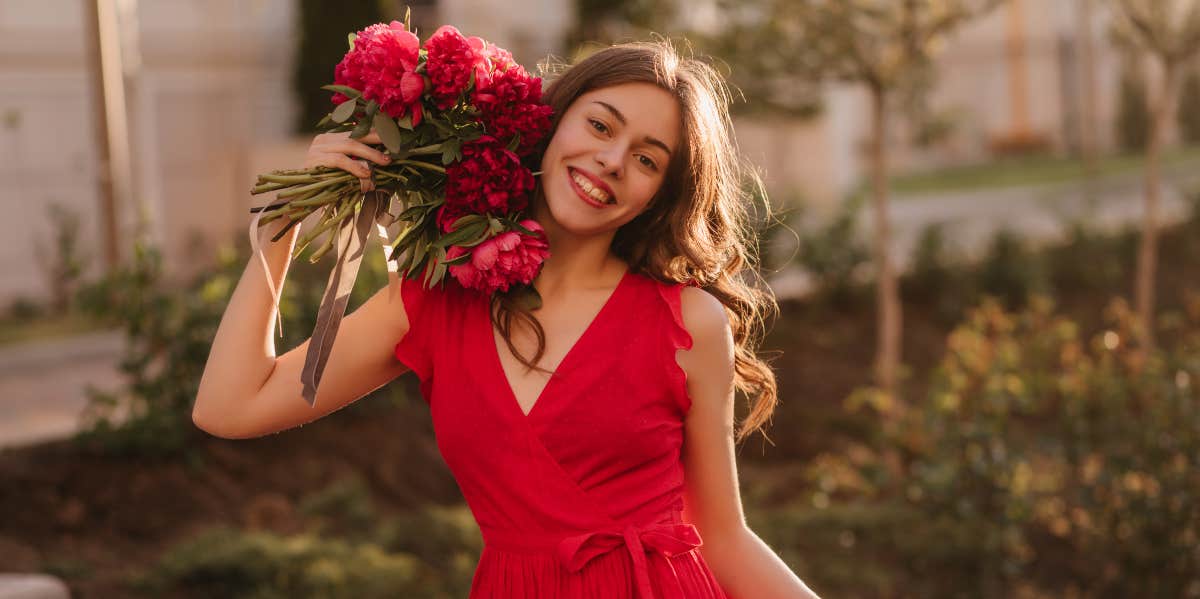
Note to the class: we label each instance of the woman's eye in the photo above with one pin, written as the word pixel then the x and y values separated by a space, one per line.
pixel 597 125
pixel 646 161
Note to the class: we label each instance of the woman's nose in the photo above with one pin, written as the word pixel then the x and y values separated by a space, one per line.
pixel 609 160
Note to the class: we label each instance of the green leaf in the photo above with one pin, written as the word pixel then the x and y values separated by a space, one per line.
pixel 364 126
pixel 345 90
pixel 440 270
pixel 344 111
pixel 512 224
pixel 459 235
pixel 351 37
pixel 405 122
pixel 466 220
pixel 463 259
pixel 515 142
pixel 388 131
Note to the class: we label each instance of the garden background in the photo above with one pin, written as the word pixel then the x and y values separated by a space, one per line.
pixel 988 354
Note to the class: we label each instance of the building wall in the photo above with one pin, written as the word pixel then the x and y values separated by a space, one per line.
pixel 206 80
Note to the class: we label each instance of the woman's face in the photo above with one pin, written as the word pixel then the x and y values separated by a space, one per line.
pixel 609 157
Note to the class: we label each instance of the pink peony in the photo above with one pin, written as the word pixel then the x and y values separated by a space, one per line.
pixel 508 258
pixel 383 66
pixel 451 58
pixel 489 179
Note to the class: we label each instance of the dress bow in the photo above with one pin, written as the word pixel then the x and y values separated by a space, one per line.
pixel 665 540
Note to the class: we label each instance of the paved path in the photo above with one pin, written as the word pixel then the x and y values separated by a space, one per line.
pixel 42 384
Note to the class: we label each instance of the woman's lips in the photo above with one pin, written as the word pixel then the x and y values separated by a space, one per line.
pixel 581 193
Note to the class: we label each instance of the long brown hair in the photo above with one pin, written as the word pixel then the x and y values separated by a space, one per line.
pixel 699 227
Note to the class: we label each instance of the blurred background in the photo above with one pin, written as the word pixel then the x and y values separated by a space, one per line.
pixel 985 245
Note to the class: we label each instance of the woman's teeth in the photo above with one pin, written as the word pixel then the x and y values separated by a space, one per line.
pixel 597 194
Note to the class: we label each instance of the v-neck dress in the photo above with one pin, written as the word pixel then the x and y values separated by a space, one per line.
pixel 581 498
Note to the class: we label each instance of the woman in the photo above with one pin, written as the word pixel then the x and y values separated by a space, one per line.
pixel 615 477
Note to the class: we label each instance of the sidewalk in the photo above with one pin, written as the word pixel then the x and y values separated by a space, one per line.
pixel 42 384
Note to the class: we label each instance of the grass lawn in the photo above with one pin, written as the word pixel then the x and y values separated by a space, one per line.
pixel 1035 170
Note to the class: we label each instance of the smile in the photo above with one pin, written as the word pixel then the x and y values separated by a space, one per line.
pixel 590 192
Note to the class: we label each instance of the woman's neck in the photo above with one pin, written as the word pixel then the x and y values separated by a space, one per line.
pixel 577 262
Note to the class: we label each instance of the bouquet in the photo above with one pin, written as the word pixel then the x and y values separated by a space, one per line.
pixel 459 120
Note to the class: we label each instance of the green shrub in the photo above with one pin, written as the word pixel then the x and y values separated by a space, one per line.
pixel 344 508
pixel 1011 271
pixel 1091 260
pixel 1038 458
pixel 236 564
pixel 834 255
pixel 934 279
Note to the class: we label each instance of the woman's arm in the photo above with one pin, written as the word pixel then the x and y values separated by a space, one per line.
pixel 743 564
pixel 245 391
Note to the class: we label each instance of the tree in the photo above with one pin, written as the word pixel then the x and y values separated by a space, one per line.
pixel 320 47
pixel 1168 31
pixel 883 45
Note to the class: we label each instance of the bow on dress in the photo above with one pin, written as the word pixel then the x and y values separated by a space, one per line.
pixel 667 539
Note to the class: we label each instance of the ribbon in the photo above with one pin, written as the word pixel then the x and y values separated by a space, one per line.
pixel 351 240
pixel 665 540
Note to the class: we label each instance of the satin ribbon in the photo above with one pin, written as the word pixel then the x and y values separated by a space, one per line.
pixel 351 240
pixel 665 540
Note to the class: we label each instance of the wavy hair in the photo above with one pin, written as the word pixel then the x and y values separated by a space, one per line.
pixel 699 227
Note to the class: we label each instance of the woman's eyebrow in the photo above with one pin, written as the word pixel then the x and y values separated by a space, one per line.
pixel 654 141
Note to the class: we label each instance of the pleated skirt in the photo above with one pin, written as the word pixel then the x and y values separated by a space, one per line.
pixel 511 575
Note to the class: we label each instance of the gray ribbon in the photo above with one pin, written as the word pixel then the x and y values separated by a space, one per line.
pixel 351 241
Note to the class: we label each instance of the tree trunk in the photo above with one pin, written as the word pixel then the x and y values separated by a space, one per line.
pixel 1148 250
pixel 887 295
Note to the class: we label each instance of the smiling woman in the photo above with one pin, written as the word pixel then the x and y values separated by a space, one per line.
pixel 591 433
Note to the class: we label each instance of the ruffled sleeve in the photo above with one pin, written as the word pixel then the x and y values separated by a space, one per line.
pixel 677 338
pixel 414 348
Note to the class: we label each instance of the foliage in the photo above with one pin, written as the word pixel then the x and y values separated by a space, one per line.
pixel 834 254
pixel 169 332
pixel 610 21
pixel 322 43
pixel 1133 114
pixel 1090 259
pixel 1189 118
pixel 1035 457
pixel 428 552
pixel 935 279
pixel 1011 271
pixel 258 565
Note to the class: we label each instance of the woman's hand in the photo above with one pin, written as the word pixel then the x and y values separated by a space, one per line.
pixel 337 150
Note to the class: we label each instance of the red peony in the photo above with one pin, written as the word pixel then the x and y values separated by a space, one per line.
pixel 509 102
pixel 508 258
pixel 451 58
pixel 382 65
pixel 489 179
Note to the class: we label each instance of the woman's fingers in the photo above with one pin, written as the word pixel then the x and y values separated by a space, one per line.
pixel 352 166
pixel 362 150
pixel 371 138
pixel 336 160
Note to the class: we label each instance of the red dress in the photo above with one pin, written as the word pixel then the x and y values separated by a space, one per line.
pixel 583 497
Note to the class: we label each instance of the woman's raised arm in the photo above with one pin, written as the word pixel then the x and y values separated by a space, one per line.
pixel 246 391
